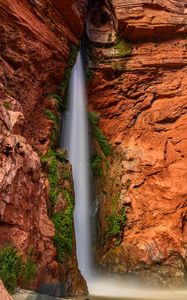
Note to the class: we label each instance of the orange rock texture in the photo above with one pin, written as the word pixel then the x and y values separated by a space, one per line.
pixel 141 99
pixel 34 48
pixel 4 294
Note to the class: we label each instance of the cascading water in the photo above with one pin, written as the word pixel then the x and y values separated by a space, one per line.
pixel 75 139
pixel 76 142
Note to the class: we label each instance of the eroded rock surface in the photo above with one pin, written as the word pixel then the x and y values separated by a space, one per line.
pixel 139 19
pixel 4 294
pixel 35 40
pixel 142 104
pixel 136 19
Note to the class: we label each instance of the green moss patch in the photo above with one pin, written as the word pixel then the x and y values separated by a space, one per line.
pixel 122 48
pixel 51 161
pixel 7 105
pixel 96 164
pixel 10 267
pixel 30 271
pixel 116 222
pixel 63 223
pixel 67 73
pixel 104 144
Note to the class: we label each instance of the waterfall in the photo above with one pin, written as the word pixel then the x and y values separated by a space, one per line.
pixel 75 140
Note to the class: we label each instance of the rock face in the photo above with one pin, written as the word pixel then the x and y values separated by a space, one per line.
pixel 145 19
pixel 4 294
pixel 142 104
pixel 35 39
pixel 23 211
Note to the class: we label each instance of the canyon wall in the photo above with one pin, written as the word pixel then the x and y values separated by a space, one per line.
pixel 138 89
pixel 36 37
pixel 3 293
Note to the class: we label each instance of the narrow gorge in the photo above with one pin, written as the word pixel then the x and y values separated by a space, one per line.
pixel 135 61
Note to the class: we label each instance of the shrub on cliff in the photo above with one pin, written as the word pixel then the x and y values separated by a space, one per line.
pixel 10 267
pixel 63 223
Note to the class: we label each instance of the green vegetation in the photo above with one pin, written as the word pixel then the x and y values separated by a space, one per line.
pixel 7 105
pixel 55 96
pixel 61 155
pixel 30 268
pixel 29 271
pixel 10 267
pixel 61 95
pixel 67 73
pixel 122 48
pixel 94 120
pixel 96 165
pixel 116 222
pixel 89 74
pixel 66 175
pixel 63 222
pixel 53 117
pixel 51 161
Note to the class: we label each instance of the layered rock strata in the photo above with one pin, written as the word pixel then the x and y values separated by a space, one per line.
pixel 140 97
pixel 35 39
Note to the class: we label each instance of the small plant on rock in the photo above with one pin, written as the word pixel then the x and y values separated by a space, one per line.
pixel 94 120
pixel 96 165
pixel 10 267
pixel 63 223
pixel 122 48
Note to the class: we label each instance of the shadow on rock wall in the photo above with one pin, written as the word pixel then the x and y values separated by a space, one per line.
pixel 48 292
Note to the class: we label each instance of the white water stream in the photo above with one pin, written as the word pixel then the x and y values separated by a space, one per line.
pixel 75 140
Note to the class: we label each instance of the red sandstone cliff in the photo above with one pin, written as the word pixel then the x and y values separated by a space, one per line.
pixel 34 47
pixel 141 100
pixel 3 293
pixel 142 103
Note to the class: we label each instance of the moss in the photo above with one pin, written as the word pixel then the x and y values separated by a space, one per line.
pixel 116 221
pixel 107 165
pixel 63 223
pixel 61 94
pixel 89 75
pixel 55 96
pixel 7 105
pixel 96 165
pixel 52 163
pixel 63 220
pixel 30 271
pixel 122 48
pixel 10 267
pixel 55 118
pixel 66 175
pixel 94 120
pixel 61 155
pixel 67 73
